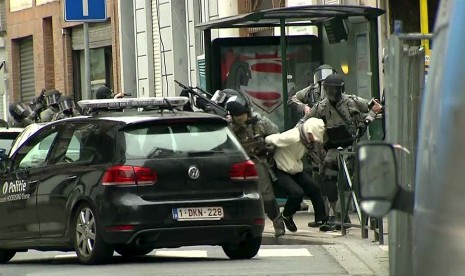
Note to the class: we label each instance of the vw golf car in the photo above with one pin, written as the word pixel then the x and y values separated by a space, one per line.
pixel 130 182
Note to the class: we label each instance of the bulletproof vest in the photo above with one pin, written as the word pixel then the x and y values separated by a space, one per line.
pixel 251 135
pixel 341 121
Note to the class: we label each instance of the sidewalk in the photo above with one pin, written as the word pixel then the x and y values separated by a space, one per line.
pixel 357 255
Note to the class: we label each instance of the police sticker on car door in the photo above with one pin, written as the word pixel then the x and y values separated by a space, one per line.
pixel 198 213
pixel 14 190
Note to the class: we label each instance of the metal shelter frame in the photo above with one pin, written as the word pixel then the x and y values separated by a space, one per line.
pixel 294 16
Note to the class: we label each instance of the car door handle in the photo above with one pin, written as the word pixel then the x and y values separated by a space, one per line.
pixel 71 177
pixel 32 182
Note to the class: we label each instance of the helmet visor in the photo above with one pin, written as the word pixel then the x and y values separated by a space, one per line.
pixel 322 74
pixel 333 93
pixel 219 97
pixel 52 99
pixel 67 104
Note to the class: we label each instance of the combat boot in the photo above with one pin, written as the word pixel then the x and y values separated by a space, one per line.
pixel 278 225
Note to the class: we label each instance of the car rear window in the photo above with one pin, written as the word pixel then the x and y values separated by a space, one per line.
pixel 192 139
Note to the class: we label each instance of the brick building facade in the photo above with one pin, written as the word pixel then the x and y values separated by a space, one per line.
pixel 56 56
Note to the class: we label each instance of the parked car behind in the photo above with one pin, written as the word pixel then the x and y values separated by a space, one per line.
pixel 7 136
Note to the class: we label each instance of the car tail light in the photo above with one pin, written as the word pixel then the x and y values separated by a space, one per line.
pixel 120 228
pixel 243 171
pixel 129 175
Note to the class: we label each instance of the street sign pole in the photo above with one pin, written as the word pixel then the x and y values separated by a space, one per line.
pixel 86 11
pixel 87 87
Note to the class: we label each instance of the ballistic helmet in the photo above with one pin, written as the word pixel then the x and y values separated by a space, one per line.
pixel 19 111
pixel 222 96
pixel 322 72
pixel 66 103
pixel 334 86
pixel 52 97
pixel 104 92
pixel 237 105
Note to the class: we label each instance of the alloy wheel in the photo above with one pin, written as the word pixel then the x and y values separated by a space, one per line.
pixel 85 232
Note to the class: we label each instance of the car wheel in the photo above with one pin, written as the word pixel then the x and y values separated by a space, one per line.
pixel 88 243
pixel 127 251
pixel 6 255
pixel 246 249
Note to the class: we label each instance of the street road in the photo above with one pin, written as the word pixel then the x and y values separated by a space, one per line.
pixel 321 259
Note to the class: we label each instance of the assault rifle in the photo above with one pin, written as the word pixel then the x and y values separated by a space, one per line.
pixel 202 102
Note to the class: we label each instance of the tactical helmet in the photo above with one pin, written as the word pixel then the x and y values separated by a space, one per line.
pixel 322 72
pixel 19 111
pixel 66 103
pixel 104 92
pixel 334 86
pixel 52 97
pixel 222 96
pixel 237 105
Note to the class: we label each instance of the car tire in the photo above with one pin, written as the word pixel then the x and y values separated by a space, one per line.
pixel 87 238
pixel 6 255
pixel 246 249
pixel 128 252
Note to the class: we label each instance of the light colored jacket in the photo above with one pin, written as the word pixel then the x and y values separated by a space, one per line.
pixel 289 147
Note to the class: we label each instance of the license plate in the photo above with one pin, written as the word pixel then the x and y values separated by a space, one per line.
pixel 198 213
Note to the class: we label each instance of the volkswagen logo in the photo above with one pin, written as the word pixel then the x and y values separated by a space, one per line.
pixel 193 172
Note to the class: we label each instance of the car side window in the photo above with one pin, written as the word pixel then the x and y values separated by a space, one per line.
pixel 34 154
pixel 77 144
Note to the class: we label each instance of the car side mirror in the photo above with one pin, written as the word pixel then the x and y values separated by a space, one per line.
pixel 378 185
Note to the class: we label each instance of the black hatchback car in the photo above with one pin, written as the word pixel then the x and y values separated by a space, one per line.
pixel 130 182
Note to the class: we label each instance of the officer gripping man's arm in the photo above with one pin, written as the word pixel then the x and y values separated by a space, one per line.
pixel 249 128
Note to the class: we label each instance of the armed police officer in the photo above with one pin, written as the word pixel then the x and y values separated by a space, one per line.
pixel 346 118
pixel 21 115
pixel 51 99
pixel 251 130
pixel 67 109
pixel 303 100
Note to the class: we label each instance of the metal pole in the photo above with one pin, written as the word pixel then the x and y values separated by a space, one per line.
pixel 207 37
pixel 424 24
pixel 284 72
pixel 87 86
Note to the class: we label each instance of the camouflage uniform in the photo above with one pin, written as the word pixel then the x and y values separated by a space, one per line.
pixel 47 114
pixel 342 122
pixel 252 137
pixel 63 115
pixel 310 95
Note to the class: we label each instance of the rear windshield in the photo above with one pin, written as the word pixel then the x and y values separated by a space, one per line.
pixel 178 140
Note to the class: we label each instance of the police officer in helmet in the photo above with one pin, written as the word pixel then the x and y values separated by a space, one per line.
pixel 304 99
pixel 52 98
pixel 67 109
pixel 346 118
pixel 251 130
pixel 104 92
pixel 21 115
